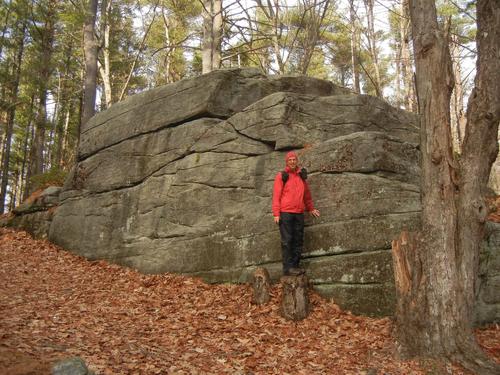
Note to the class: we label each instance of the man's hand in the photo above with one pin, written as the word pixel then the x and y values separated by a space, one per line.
pixel 315 213
pixel 277 219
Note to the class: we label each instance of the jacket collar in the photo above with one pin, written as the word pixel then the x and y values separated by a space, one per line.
pixel 289 170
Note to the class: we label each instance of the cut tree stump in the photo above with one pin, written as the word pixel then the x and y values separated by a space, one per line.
pixel 295 297
pixel 261 286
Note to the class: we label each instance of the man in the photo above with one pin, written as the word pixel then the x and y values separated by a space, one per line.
pixel 291 196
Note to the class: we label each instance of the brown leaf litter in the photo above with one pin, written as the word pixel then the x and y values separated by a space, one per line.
pixel 56 305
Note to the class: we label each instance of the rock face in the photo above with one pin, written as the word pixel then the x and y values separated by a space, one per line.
pixel 179 179
pixel 35 214
pixel 494 182
pixel 488 299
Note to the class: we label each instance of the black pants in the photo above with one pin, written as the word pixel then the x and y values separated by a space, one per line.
pixel 292 239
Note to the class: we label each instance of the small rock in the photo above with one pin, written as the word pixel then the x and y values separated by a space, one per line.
pixel 71 366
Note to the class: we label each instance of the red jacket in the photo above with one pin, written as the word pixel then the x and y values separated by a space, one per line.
pixel 293 196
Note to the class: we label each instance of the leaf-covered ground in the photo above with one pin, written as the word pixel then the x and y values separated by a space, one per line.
pixel 54 305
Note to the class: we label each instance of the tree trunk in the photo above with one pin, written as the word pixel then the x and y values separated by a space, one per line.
pixel 49 155
pixel 170 50
pixel 272 13
pixel 435 269
pixel 5 26
pixel 458 119
pixel 318 14
pixel 15 190
pixel 399 96
pixel 480 149
pixel 25 169
pixel 427 315
pixel 354 47
pixel 261 286
pixel 137 55
pixel 67 153
pixel 212 35
pixel 90 49
pixel 295 298
pixel 11 114
pixel 372 47
pixel 46 46
pixel 406 62
pixel 62 130
pixel 63 114
pixel 105 68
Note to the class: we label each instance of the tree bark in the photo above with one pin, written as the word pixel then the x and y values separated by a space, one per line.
pixel 261 286
pixel 170 50
pixel 480 149
pixel 434 294
pixel 105 68
pixel 90 49
pixel 435 269
pixel 212 35
pixel 295 298
pixel 15 190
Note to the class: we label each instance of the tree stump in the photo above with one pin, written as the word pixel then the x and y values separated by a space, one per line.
pixel 295 297
pixel 261 286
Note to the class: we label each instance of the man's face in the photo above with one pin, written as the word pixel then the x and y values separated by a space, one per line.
pixel 291 162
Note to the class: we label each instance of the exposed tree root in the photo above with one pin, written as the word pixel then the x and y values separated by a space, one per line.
pixel 473 358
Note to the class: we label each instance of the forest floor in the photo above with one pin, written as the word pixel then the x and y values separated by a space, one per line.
pixel 55 305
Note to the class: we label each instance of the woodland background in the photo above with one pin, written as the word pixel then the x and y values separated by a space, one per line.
pixel 139 44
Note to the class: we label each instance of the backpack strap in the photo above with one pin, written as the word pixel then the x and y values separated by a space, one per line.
pixel 302 174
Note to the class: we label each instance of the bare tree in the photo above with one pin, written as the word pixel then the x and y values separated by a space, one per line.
pixel 272 13
pixel 371 38
pixel 138 54
pixel 314 15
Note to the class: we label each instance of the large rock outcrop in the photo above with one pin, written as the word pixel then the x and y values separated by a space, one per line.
pixel 487 307
pixel 179 179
